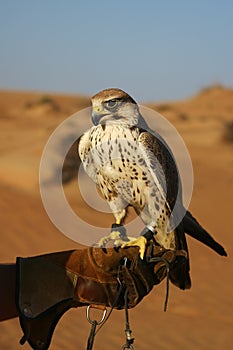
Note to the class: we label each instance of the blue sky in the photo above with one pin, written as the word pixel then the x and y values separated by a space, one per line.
pixel 155 50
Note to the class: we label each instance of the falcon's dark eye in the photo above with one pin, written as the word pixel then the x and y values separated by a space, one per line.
pixel 111 103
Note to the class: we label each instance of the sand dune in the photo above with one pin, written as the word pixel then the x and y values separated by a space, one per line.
pixel 197 319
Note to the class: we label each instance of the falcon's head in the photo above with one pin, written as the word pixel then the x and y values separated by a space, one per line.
pixel 114 106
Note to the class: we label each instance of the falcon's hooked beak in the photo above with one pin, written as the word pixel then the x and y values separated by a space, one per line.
pixel 97 114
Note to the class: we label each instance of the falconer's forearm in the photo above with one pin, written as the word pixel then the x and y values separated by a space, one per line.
pixel 7 291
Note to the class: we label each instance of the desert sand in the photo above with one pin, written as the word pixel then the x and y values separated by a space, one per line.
pixel 200 318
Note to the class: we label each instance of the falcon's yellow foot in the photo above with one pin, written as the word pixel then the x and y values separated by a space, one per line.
pixel 114 236
pixel 140 242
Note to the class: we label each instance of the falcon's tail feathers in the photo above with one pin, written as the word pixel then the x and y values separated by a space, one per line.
pixel 195 230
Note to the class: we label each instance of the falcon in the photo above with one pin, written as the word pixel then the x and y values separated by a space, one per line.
pixel 133 166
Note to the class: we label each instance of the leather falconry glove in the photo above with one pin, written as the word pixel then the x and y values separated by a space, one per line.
pixel 49 285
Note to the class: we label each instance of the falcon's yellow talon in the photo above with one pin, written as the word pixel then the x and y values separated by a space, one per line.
pixel 138 242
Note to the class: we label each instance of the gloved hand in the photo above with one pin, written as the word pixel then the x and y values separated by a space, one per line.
pixel 49 285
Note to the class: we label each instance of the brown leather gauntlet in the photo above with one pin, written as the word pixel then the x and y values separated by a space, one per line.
pixel 49 285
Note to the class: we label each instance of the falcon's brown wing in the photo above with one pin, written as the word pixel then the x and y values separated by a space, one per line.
pixel 156 148
pixel 162 166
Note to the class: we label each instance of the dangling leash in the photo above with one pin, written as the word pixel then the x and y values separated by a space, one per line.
pixel 129 339
pixel 103 320
pixel 95 323
pixel 157 259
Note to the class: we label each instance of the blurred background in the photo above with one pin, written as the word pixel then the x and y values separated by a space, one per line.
pixel 174 57
pixel 156 50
